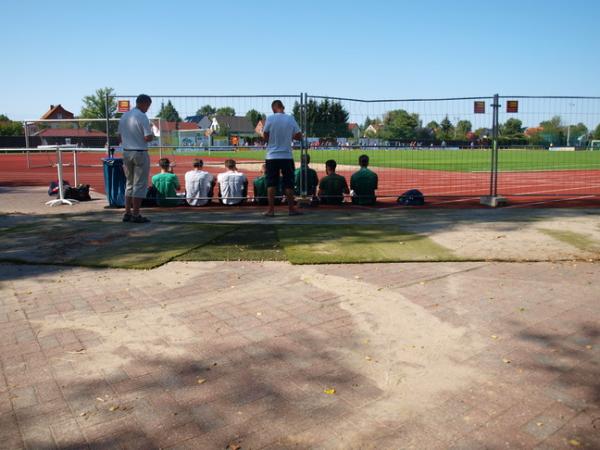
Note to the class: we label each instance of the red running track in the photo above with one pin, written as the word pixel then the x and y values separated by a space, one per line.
pixel 441 188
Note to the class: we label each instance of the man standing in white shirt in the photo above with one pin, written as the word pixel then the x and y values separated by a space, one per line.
pixel 279 131
pixel 233 185
pixel 199 185
pixel 135 132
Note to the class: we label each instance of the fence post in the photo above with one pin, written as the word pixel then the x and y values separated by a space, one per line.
pixel 493 199
pixel 303 151
pixel 106 112
pixel 26 125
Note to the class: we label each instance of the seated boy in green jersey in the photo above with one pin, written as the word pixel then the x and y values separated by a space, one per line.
pixel 260 189
pixel 363 183
pixel 312 180
pixel 166 184
pixel 333 186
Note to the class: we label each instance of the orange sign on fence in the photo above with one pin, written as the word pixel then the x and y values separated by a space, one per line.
pixel 479 107
pixel 512 106
pixel 123 106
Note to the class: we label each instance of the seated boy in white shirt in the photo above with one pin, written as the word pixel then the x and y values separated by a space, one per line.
pixel 199 185
pixel 233 185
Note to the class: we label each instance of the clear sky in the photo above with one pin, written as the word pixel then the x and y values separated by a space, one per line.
pixel 58 51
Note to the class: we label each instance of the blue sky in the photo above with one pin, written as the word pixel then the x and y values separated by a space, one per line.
pixel 59 51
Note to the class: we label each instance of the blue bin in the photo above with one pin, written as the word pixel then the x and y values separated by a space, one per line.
pixel 114 182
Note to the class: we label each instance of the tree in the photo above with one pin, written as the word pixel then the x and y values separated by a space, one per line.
pixel 94 107
pixel 433 126
pixel 596 133
pixel 578 134
pixel 512 129
pixel 401 125
pixel 462 128
pixel 206 110
pixel 168 112
pixel 553 131
pixel 10 128
pixel 225 111
pixel 328 120
pixel 446 130
pixel 254 117
pixel 4 118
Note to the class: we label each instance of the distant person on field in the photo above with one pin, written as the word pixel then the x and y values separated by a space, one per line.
pixel 233 185
pixel 279 131
pixel 333 186
pixel 364 183
pixel 305 174
pixel 135 132
pixel 166 184
pixel 199 185
pixel 261 189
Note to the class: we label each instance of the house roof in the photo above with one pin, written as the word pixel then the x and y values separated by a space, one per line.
pixel 236 124
pixel 55 110
pixel 70 132
pixel 195 119
pixel 172 126
pixel 352 126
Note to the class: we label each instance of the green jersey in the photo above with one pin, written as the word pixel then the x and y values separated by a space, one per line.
pixel 261 191
pixel 332 188
pixel 364 184
pixel 312 180
pixel 166 184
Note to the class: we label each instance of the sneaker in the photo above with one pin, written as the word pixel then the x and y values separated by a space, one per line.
pixel 140 219
pixel 127 217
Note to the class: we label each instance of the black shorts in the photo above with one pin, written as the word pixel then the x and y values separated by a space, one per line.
pixel 277 167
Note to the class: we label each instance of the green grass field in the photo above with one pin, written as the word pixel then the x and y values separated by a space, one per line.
pixel 445 160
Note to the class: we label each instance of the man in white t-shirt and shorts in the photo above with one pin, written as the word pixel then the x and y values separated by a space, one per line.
pixel 279 131
pixel 233 185
pixel 199 185
pixel 135 132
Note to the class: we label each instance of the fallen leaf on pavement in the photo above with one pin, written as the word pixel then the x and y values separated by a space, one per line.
pixel 574 443
pixel 201 380
pixel 507 361
pixel 100 399
pixel 81 350
pixel 329 391
pixel 493 336
pixel 368 358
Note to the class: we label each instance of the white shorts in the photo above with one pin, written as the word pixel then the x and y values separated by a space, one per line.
pixel 136 165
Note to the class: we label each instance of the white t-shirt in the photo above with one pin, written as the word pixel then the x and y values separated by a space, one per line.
pixel 231 184
pixel 281 128
pixel 133 127
pixel 197 184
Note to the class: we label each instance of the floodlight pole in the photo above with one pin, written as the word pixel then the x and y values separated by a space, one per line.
pixel 26 126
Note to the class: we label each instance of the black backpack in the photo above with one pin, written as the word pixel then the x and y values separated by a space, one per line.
pixel 414 197
pixel 80 193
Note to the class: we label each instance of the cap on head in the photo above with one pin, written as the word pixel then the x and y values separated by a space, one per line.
pixel 143 99
pixel 198 163
pixel 363 160
pixel 164 163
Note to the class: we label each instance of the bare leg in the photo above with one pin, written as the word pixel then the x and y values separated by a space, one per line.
pixel 289 193
pixel 137 202
pixel 128 204
pixel 271 196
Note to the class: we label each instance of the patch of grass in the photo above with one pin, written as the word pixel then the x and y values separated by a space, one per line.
pixel 98 244
pixel 309 244
pixel 245 243
pixel 577 240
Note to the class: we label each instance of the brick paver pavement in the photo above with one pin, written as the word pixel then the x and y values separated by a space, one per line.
pixel 268 355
